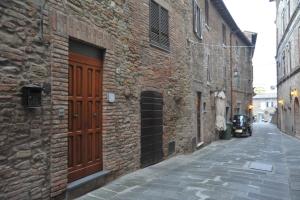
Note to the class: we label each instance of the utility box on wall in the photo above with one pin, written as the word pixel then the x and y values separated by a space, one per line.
pixel 32 96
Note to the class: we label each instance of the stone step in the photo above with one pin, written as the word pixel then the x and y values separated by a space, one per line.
pixel 87 184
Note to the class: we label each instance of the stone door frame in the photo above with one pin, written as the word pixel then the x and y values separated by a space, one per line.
pixel 63 27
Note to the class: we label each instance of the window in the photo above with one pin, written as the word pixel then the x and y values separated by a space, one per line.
pixel 283 21
pixel 278 70
pixel 246 53
pixel 206 12
pixel 208 69
pixel 159 26
pixel 224 34
pixel 197 20
pixel 277 36
pixel 267 104
pixel 262 105
pixel 289 10
pixel 290 57
pixel 284 64
pixel 299 43
pixel 238 82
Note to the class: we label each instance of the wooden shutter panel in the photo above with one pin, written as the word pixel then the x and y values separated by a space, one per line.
pixel 197 20
pixel 154 22
pixel 199 23
pixel 164 28
pixel 195 16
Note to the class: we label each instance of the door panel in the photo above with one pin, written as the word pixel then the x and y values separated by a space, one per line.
pixel 151 128
pixel 199 118
pixel 85 116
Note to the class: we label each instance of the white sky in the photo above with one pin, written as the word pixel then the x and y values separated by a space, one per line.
pixel 258 16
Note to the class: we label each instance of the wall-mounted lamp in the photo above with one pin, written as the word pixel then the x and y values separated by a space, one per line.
pixel 32 96
pixel 250 107
pixel 294 93
pixel 235 73
pixel 281 102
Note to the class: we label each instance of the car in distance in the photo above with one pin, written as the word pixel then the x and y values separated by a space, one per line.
pixel 241 125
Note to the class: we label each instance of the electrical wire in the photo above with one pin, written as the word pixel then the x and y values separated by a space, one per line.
pixel 218 45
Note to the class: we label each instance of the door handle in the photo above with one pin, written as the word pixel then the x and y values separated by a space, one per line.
pixel 75 115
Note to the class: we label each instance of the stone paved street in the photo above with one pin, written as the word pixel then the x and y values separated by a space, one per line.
pixel 219 171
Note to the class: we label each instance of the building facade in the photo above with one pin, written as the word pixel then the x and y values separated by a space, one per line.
pixel 288 65
pixel 91 90
pixel 264 107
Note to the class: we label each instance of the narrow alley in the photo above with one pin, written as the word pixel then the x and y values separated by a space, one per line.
pixel 222 170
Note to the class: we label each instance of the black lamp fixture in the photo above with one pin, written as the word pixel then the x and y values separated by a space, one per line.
pixel 32 96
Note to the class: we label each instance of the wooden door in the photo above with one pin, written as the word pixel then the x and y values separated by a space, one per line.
pixel 151 128
pixel 85 116
pixel 199 117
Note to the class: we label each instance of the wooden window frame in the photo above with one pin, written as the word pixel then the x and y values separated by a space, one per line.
pixel 197 20
pixel 164 45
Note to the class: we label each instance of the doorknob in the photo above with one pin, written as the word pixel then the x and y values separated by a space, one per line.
pixel 95 114
pixel 75 115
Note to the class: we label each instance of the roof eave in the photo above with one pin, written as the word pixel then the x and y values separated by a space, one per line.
pixel 224 12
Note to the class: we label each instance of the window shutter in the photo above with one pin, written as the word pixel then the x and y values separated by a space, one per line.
pixel 164 27
pixel 197 20
pixel 154 22
pixel 195 16
pixel 200 23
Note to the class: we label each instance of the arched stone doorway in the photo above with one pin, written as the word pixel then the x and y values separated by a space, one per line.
pixel 297 117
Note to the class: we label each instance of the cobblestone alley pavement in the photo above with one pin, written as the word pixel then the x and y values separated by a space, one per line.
pixel 265 166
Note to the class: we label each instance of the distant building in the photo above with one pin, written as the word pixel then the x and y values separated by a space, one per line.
pixel 288 65
pixel 264 106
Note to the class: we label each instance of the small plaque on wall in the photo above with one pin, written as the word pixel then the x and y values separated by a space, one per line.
pixel 111 97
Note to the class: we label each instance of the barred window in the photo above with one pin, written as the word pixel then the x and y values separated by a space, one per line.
pixel 159 26
pixel 197 20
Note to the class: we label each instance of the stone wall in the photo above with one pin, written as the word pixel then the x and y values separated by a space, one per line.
pixel 24 133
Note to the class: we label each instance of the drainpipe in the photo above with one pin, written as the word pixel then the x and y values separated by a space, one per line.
pixel 231 70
